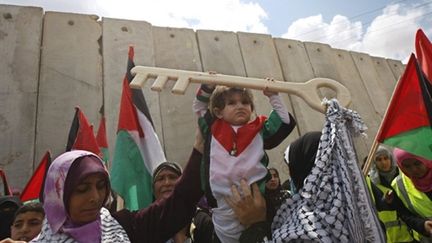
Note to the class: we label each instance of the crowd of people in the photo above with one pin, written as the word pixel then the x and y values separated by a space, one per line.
pixel 226 193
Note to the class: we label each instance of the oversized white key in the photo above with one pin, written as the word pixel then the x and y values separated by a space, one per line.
pixel 308 91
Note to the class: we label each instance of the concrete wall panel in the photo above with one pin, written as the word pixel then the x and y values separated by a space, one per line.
pixel 261 61
pixel 70 75
pixel 118 35
pixel 375 88
pixel 220 52
pixel 259 56
pixel 361 103
pixel 329 63
pixel 297 68
pixel 20 39
pixel 397 67
pixel 385 74
pixel 177 49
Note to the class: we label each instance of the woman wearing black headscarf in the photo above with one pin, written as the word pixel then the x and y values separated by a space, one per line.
pixel 300 157
pixel 274 194
pixel 8 206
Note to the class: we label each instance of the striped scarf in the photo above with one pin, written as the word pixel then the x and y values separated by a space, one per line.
pixel 333 205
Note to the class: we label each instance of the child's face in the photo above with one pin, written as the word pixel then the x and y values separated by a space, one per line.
pixel 27 226
pixel 237 110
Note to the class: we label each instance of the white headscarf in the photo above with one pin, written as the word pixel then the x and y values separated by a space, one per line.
pixel 375 173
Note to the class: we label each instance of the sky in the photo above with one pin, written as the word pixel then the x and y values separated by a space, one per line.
pixel 379 27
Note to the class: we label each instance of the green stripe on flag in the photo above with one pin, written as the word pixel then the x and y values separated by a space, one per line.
pixel 105 154
pixel 129 176
pixel 416 141
pixel 273 123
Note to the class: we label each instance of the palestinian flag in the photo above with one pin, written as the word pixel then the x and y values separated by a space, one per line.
pixel 35 186
pixel 81 134
pixel 424 53
pixel 137 150
pixel 407 123
pixel 101 139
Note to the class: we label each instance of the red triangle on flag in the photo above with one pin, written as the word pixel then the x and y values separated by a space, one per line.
pixel 128 117
pixel 424 53
pixel 407 108
pixel 35 186
pixel 81 134
pixel 101 134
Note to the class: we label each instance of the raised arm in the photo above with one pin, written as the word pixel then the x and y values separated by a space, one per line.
pixel 202 98
pixel 163 218
pixel 280 122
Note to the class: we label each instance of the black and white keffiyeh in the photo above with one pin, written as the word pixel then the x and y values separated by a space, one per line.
pixel 333 205
pixel 112 231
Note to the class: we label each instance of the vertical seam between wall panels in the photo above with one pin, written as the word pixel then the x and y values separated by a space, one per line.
pixel 38 91
pixel 158 97
pixel 364 86
pixel 285 79
pixel 308 57
pixel 100 43
pixel 199 51
pixel 242 58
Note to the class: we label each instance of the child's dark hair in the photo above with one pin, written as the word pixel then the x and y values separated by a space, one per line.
pixel 30 207
pixel 221 93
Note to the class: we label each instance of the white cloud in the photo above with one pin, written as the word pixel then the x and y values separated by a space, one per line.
pixel 393 32
pixel 230 15
pixel 315 29
pixel 390 34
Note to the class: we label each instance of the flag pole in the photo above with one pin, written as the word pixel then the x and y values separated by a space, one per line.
pixel 375 144
pixel 368 162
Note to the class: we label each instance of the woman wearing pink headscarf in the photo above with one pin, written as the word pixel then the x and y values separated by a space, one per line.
pixel 77 188
pixel 414 188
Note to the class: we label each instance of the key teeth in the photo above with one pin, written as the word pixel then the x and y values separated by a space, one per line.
pixel 159 82
pixel 178 91
pixel 157 89
pixel 139 80
pixel 181 85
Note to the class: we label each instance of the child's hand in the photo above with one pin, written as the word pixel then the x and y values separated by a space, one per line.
pixel 268 93
pixel 210 86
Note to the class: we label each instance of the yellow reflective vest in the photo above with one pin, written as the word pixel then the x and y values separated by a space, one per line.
pixel 416 201
pixel 396 229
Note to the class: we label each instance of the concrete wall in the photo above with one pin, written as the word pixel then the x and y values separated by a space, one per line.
pixel 52 62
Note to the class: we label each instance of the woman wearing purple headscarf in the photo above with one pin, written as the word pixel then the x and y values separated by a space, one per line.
pixel 76 190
